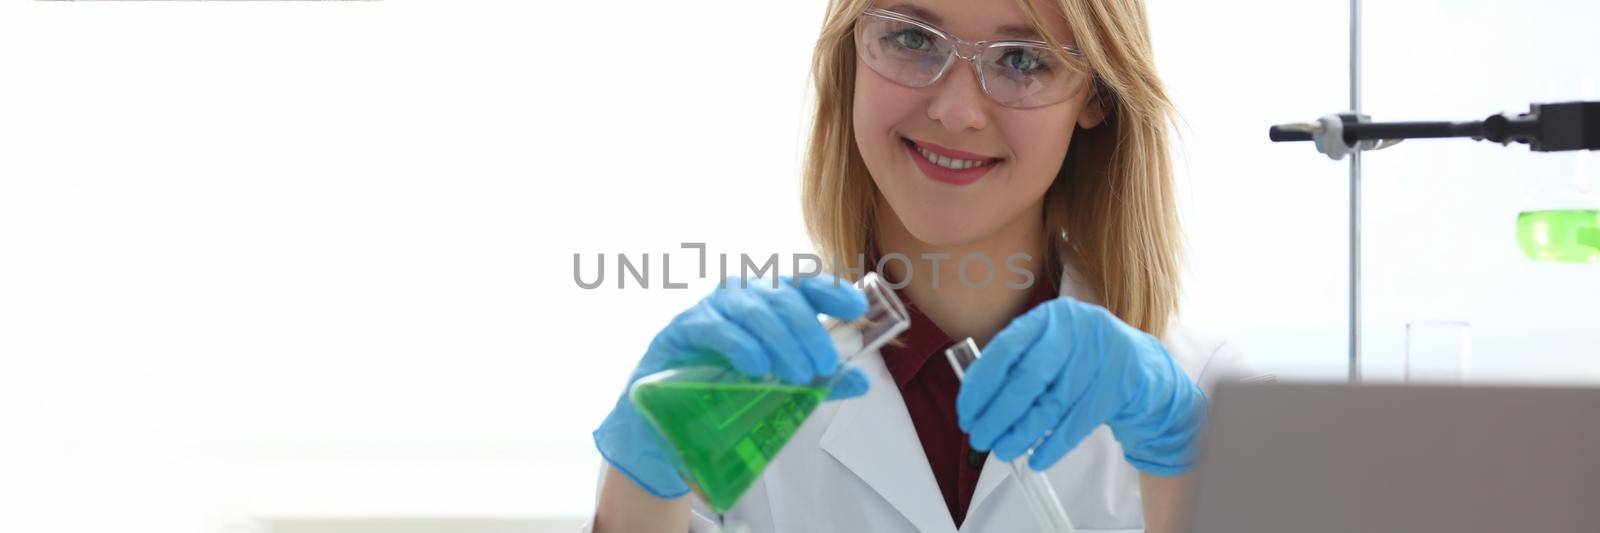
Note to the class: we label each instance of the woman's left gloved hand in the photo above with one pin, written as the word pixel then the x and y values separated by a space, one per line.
pixel 1065 367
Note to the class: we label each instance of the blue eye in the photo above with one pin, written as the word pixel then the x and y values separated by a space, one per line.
pixel 1024 61
pixel 911 39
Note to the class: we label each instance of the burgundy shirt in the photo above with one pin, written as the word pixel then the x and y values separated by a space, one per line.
pixel 929 385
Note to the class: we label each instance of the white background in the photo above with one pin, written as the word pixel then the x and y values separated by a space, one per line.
pixel 316 258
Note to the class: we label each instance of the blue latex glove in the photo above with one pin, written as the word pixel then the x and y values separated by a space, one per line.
pixel 1065 367
pixel 759 330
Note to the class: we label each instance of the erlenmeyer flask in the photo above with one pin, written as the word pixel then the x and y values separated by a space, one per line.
pixel 724 427
pixel 1561 222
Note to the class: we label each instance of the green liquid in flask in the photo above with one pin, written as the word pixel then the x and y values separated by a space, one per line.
pixel 725 427
pixel 1562 235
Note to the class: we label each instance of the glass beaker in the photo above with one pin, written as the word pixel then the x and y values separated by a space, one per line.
pixel 1438 351
pixel 723 427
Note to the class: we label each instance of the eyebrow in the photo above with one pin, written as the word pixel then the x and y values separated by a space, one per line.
pixel 1014 31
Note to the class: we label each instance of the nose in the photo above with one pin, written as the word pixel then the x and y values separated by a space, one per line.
pixel 958 101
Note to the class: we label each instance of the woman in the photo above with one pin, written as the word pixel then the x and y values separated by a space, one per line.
pixel 1033 133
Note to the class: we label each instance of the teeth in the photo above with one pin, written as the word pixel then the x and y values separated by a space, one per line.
pixel 953 164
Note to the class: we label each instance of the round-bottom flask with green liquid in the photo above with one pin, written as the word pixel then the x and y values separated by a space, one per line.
pixel 1560 235
pixel 1562 221
pixel 723 428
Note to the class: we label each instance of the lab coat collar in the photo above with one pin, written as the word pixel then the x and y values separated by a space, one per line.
pixel 874 438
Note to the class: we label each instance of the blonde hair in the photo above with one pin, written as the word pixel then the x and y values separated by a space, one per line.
pixel 1113 195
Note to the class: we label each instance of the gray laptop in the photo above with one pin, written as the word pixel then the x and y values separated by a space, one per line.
pixel 1417 459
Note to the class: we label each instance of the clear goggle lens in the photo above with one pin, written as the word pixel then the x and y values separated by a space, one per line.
pixel 1014 74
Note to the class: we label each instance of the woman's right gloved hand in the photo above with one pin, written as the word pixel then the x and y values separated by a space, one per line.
pixel 760 330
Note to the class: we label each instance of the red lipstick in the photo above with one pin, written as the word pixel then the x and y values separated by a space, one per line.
pixel 952 176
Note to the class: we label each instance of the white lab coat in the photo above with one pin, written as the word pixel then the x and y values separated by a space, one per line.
pixel 857 465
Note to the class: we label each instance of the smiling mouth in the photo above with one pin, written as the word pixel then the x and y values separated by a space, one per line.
pixel 951 163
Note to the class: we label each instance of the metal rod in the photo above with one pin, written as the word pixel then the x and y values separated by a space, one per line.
pixel 1410 130
pixel 1355 267
pixel 1355 198
pixel 1367 131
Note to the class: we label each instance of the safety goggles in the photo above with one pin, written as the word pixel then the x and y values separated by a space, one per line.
pixel 1014 73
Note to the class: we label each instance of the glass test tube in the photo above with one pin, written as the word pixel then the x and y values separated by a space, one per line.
pixel 1041 496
